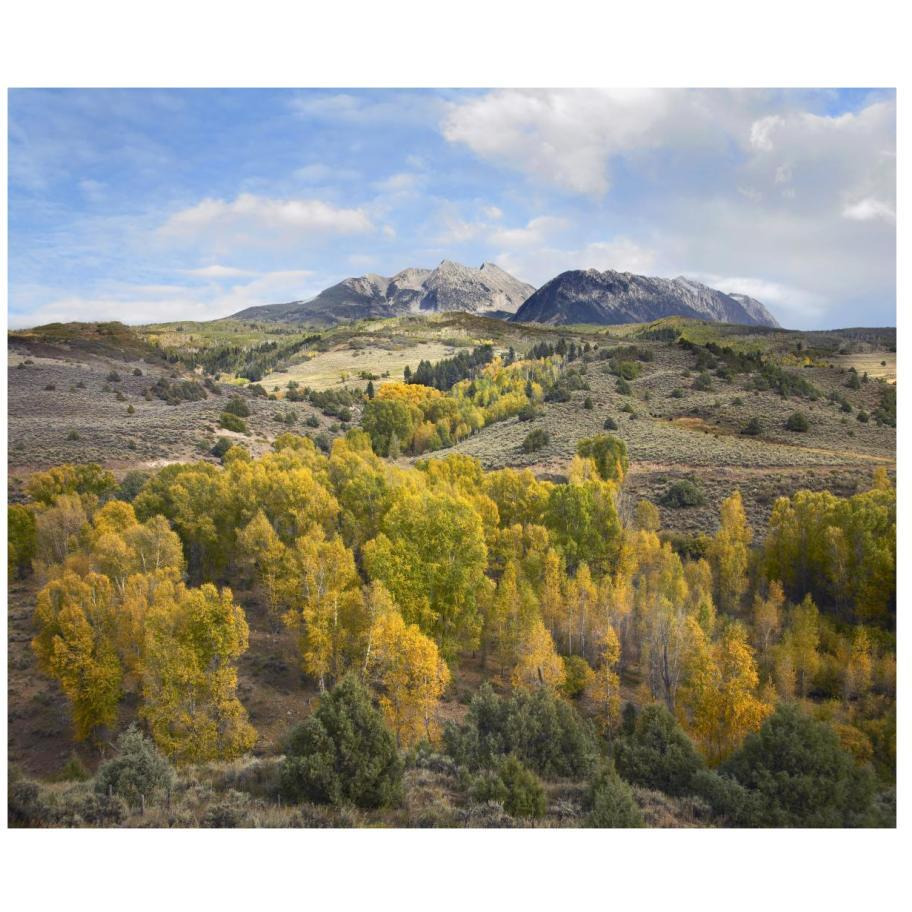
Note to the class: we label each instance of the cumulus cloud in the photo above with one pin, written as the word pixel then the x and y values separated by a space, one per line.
pixel 252 220
pixel 534 232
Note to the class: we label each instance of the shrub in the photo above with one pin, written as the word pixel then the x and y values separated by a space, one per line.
pixel 131 410
pixel 137 769
pixel 229 812
pixel 529 412
pixel 73 435
pixel 237 406
pixel 683 493
pixel 797 421
pixel 137 372
pixel 525 796
pixel 610 802
pixel 801 775
pixel 610 424
pixel 702 382
pixel 344 752
pixel 535 440
pixel 623 387
pixel 544 731
pixel 588 404
pixel 608 453
pixel 677 393
pixel 863 417
pixel 658 755
pixel 178 391
pixel 232 423
pixel 113 377
pixel 50 387
pixel 222 445
pixel 577 675
pixel 312 421
pixel 752 428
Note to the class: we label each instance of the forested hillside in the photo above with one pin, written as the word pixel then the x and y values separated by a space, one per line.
pixel 476 647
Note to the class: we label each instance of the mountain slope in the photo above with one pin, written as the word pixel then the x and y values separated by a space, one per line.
pixel 449 287
pixel 589 296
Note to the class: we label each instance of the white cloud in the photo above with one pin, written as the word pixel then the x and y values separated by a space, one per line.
pixel 790 305
pixel 216 271
pixel 257 220
pixel 564 136
pixel 535 232
pixel 869 209
pixel 761 132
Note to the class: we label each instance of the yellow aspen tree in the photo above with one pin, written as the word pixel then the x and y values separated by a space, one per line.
pixel 646 516
pixel 259 546
pixel 728 553
pixel 859 665
pixel 551 596
pixel 785 675
pixel 410 675
pixel 720 697
pixel 580 598
pixel 605 688
pixel 75 645
pixel 538 665
pixel 768 616
pixel 326 595
pixel 193 640
pixel 700 603
pixel 805 639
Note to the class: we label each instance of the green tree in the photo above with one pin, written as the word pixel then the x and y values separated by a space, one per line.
pixel 658 754
pixel 343 752
pixel 611 803
pixel 801 774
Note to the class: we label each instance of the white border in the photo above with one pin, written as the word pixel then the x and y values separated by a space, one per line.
pixel 470 43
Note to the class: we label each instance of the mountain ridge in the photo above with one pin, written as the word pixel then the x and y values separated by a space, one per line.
pixel 610 297
pixel 448 287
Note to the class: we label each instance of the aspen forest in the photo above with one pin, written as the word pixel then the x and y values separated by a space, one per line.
pixel 475 648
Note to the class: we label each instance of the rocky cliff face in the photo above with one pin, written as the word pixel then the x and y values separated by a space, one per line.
pixel 449 287
pixel 589 296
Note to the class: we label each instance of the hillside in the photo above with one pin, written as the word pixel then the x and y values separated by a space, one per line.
pixel 590 296
pixel 450 287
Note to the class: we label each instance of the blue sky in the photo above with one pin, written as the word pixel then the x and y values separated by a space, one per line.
pixel 146 205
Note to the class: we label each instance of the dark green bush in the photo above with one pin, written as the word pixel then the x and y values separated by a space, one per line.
pixel 752 428
pixel 232 423
pixel 683 493
pixel 535 440
pixel 610 424
pixel 544 731
pixel 343 753
pixel 658 755
pixel 799 775
pixel 797 421
pixel 610 802
pixel 525 796
pixel 222 445
pixel 237 406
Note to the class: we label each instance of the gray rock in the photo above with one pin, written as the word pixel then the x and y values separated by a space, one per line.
pixel 590 296
pixel 450 287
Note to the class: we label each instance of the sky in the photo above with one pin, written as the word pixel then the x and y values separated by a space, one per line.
pixel 150 205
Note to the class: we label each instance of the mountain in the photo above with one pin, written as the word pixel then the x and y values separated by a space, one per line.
pixel 451 286
pixel 590 296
